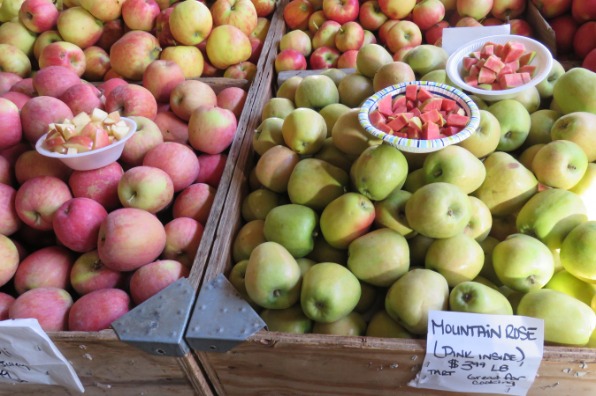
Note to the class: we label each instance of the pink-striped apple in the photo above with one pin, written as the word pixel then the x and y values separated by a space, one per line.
pixel 151 278
pixel 172 128
pixel 371 17
pixel 106 10
pixel 190 94
pixel 131 100
pixel 9 259
pixel 133 52
pixel 46 267
pixel 6 301
pixel 211 168
pixel 160 78
pixel 178 160
pixel 239 13
pixel 427 13
pixel 31 164
pixel 297 40
pixel 38 15
pixel 54 80
pixel 88 274
pixel 7 80
pixel 145 138
pixel 349 37
pixel 45 38
pixel 97 310
pixel 194 201
pixel 296 14
pixel 233 99
pixel 140 14
pixel 211 130
pixel 38 199
pixel 183 236
pixel 99 184
pixel 76 223
pixel 290 59
pixel 9 220
pixel 82 98
pixel 63 53
pixel 162 28
pixel 341 11
pixel 39 112
pixel 10 120
pixel 49 305
pixel 97 63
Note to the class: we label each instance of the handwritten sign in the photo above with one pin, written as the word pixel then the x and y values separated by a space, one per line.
pixel 481 353
pixel 28 356
pixel 455 37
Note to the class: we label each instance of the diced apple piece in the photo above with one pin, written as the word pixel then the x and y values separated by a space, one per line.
pixel 71 151
pixel 455 119
pixel 512 80
pixel 430 130
pixel 424 95
pixel 119 131
pixel 80 120
pixel 530 69
pixel 384 128
pixel 375 117
pixel 512 51
pixel 67 130
pixel 450 130
pixel 399 103
pixel 385 105
pixel 98 115
pixel 486 86
pixel 474 70
pixel 494 63
pixel 468 62
pixel 476 54
pixel 411 92
pixel 486 76
pixel 448 104
pixel 101 139
pixel 80 143
pixel 412 133
pixel 431 104
pixel 487 50
pixel 527 58
pixel 112 118
pixel 471 80
pixel 397 123
pixel 415 123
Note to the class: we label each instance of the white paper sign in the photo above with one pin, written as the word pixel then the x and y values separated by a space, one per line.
pixel 481 353
pixel 455 37
pixel 27 355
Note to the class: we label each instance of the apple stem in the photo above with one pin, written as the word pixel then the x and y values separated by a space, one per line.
pixel 276 293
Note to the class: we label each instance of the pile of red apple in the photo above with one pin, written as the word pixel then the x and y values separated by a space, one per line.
pixel 325 34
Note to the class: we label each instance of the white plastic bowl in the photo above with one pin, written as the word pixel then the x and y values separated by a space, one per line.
pixel 455 69
pixel 93 159
pixel 416 145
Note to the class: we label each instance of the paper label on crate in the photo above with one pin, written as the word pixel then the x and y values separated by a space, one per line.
pixel 478 353
pixel 28 356
pixel 455 37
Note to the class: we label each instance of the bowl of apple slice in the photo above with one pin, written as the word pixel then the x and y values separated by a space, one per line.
pixel 87 141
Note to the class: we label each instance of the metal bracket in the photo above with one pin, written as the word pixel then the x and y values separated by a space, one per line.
pixel 157 325
pixel 221 318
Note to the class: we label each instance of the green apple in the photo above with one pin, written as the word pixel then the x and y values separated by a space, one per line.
pixel 475 297
pixel 315 183
pixel 381 325
pixel 481 220
pixel 458 258
pixel 438 210
pixel 488 271
pixel 275 166
pixel 315 92
pixel 331 154
pixel 529 98
pixel 523 263
pixel 419 245
pixel 370 58
pixel 439 76
pixel 349 135
pixel 323 251
pixel 560 164
pixel 546 86
pixel 346 218
pixel 329 292
pixel 577 252
pixel 287 89
pixel 369 296
pixel 304 263
pixel 414 295
pixel 576 91
pixel 456 165
pixel 481 103
pixel 515 122
pixel 507 185
pixel 566 283
pixel 249 236
pixel 331 113
pixel 392 73
pixel 579 127
pixel 292 226
pixel 541 122
pixel 354 89
pixel 566 320
pixel 335 74
pixel 304 130
pixel 379 257
pixel 513 296
pixel 352 324
pixel 272 277
pixel 415 179
pixel 550 215
pixel 586 189
pixel 390 213
pixel 258 203
pixel 268 134
pixel 236 278
pixel 527 156
pixel 289 320
pixel 486 138
pixel 425 58
pixel 378 171
pixel 277 107
pixel 486 282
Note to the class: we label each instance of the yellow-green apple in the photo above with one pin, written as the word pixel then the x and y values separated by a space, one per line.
pixel 329 292
pixel 527 156
pixel 456 165
pixel 245 70
pixel 88 274
pixel 54 80
pixel 370 58
pixel 316 92
pixel 76 25
pixel 566 283
pixel 296 14
pixel 194 201
pixel 390 213
pixel 546 86
pixel 153 277
pixel 438 210
pixel 290 59
pixel 99 184
pixel 140 14
pixel 233 99
pixel 486 138
pixel 304 130
pixel 11 124
pixel 160 77
pixel 347 60
pixel 586 188
pixel 379 257
pixel 331 113
pixel 16 34
pixel 349 37
pixel 508 9
pixel 550 215
pixel 315 183
pixel 275 166
pixel 10 259
pixel 273 279
pixel 392 73
pixel 211 130
pixel 13 60
pixel 530 98
pixel 552 8
pixel 82 97
pixel 576 251
pixel 49 305
pixel 560 164
pixel 130 238
pixel 145 187
pixel 38 15
pixel 7 81
pixel 341 11
pixel 238 13
pixel 183 236
pixel 353 324
pixel 425 58
pixel 10 9
pixel 515 122
pixel 112 31
pixel 133 52
pixel 378 171
pixel 289 320
pixel 96 310
pixel 38 199
pixel 414 295
pixel 6 301
pixel 292 226
pixel 131 100
pixel 324 58
pixel 9 220
pixel 567 320
pixel 76 223
pixel 371 17
pixel 264 8
pixel 297 40
pixel 474 9
pixel 334 156
pixel 338 229
pixel 577 127
pixel 190 22
pixel 97 63
pixel 382 325
pixel 458 258
pixel 63 53
pixel 258 203
pixel 189 95
pixel 369 38
pixel 427 13
pixel 403 34
pixel 575 91
pixel 39 112
pixel 249 236
pixel 541 122
pixel 349 136
pixel 47 267
pixel 105 11
pixel 475 297
pixel 278 108
pixel 237 279
pixel 173 129
pixel 267 135
pixel 523 263
pixel 178 160
pixel 30 164
pixel 480 222
pixel 147 136
pixel 397 9
pixel 324 252
pixel 45 38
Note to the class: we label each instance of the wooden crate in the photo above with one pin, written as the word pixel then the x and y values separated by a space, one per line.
pixel 272 363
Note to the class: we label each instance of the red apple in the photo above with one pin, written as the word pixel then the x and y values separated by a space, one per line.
pixel 589 61
pixel 140 14
pixel 349 37
pixel 183 236
pixel 6 301
pixel 39 112
pixel 49 305
pixel 30 164
pixel 239 13
pixel 325 35
pixel 211 130
pixel 290 59
pixel 565 27
pixel 38 15
pixel 194 201
pixel 241 71
pixel 25 86
pixel 38 199
pixel 296 14
pixel 97 63
pixel 211 168
pixel 172 128
pixel 133 52
pixel 19 99
pixel 11 132
pixel 7 80
pixel 130 238
pixel 45 38
pixel 583 10
pixel 161 77
pixel 371 17
pixel 508 9
pixel 76 223
pixel 584 39
pixel 96 310
pixel 233 99
pixel 427 13
pixel 341 11
pixel 107 86
pixel 88 274
pixel 552 8
pixel 112 32
pixel 6 173
pixel 178 160
pixel 162 28
pixel 9 260
pixel 99 184
pixel 435 33
pixel 324 58
pixel 63 53
pixel 82 97
pixel 9 219
pixel 132 100
pixel 297 40
pixel 521 27
pixel 403 34
pixel 264 8
pixel 347 60
pixel 54 80
pixel 151 278
pixel 190 94
pixel 46 267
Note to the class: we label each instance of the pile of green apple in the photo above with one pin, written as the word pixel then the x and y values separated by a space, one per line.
pixel 344 234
